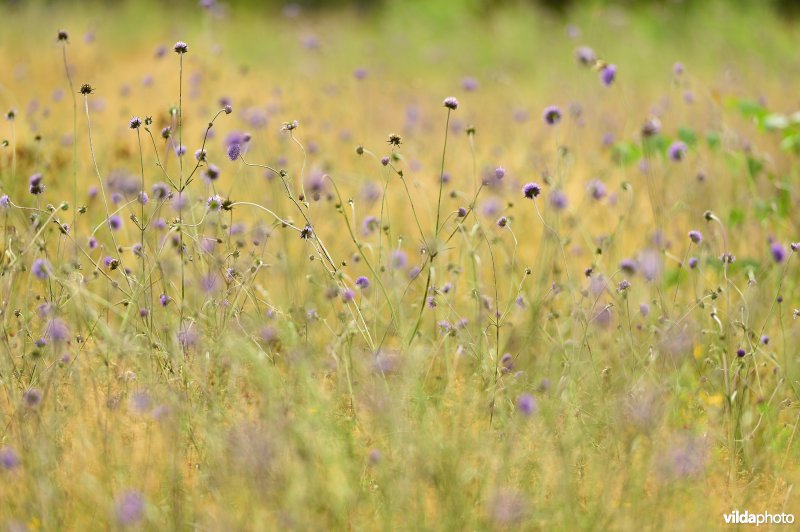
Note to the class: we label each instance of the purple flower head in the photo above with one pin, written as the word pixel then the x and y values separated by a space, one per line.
pixel 644 310
pixel 348 295
pixel 32 397
pixel 8 458
pixel 651 127
pixel 362 282
pixel 180 151
pixel 693 262
pixel 558 200
pixel 764 339
pixel 677 68
pixel 129 507
pixel 778 252
pixel 143 198
pixel 135 123
pixel 741 353
pixel 499 172
pixel 585 56
pixel 200 154
pixel 360 73
pixel 469 84
pixel 181 47
pixel 696 236
pixel 677 151
pixel 596 189
pixel 526 404
pixel 399 259
pixel 234 151
pixel 502 221
pixel 451 103
pixel 628 266
pixel 552 115
pixel 608 74
pixel 41 269
pixel 115 222
pixel 58 331
pixel 215 203
pixel 36 186
pixel 164 299
pixel 4 201
pixel 531 190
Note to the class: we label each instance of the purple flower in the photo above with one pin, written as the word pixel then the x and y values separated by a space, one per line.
pixel 129 507
pixel 552 115
pixel 531 190
pixel 677 151
pixel 348 295
pixel 764 339
pixel 778 252
pixel 234 151
pixel 115 222
pixel 607 74
pixel 36 186
pixel 4 201
pixel 362 282
pixel 164 299
pixel 8 458
pixel 469 84
pixel 693 262
pixel 628 266
pixel 32 397
pixel 135 122
pixel 58 330
pixel 180 151
pixel 502 222
pixel 181 47
pixel 526 404
pixel 596 189
pixel 499 172
pixel 451 103
pixel 558 200
pixel 585 56
pixel 41 269
pixel 696 236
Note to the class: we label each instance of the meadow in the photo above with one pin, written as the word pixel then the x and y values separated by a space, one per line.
pixel 420 267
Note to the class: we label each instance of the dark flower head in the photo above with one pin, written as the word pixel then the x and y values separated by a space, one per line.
pixel 135 122
pixel 181 47
pixel 384 161
pixel 451 103
pixel 395 140
pixel 740 353
pixel 462 212
pixel 628 266
pixel 531 190
pixel 166 132
pixel 86 89
pixel 212 172
pixel 306 232
pixel 502 221
pixel 227 108
pixel 63 36
pixel 552 115
pixel 693 262
pixel 36 186
pixel 234 151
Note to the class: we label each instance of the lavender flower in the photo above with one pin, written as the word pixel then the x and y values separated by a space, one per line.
pixel 181 47
pixel 608 74
pixel 36 186
pixel 677 151
pixel 135 122
pixel 8 458
pixel 526 404
pixel 778 252
pixel 451 103
pixel 234 151
pixel 362 282
pixel 129 507
pixel 696 236
pixel 41 269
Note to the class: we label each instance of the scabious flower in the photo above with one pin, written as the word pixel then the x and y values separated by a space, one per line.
pixel 41 269
pixel 651 127
pixel 135 122
pixel 215 202
pixel 115 222
pixel 58 331
pixel 8 458
pixel 502 222
pixel 181 47
pixel 32 397
pixel 778 252
pixel 596 189
pixel 628 266
pixel 451 103
pixel 166 133
pixel 607 74
pixel 693 262
pixel 129 507
pixel 552 115
pixel 4 201
pixel 696 236
pixel 740 353
pixel 200 154
pixel 362 282
pixel 234 151
pixel 526 404
pixel 36 186
pixel 677 151
pixel 306 232
pixel 623 285
pixel 558 200
pixel 164 299
pixel 469 84
pixel 531 190
pixel 180 151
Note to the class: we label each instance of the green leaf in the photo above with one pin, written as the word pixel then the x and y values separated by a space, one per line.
pixel 687 135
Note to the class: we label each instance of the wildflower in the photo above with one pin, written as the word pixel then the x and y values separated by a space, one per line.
pixel 764 339
pixel 596 189
pixel 677 68
pixel 585 56
pixel 306 232
pixel 181 47
pixel 608 74
pixel 36 186
pixel 63 36
pixel 58 331
pixel 215 202
pixel 531 190
pixel 129 507
pixel 4 201
pixel 778 252
pixel 696 236
pixel 161 191
pixel 623 285
pixel 164 299
pixel 166 132
pixel 8 458
pixel 795 246
pixel 212 172
pixel 552 115
pixel 362 282
pixel 111 263
pixel 628 266
pixel 180 151
pixel 86 89
pixel 200 155
pixel 384 161
pixel 558 200
pixel 348 295
pixel 526 404
pixel 451 103
pixel 644 310
pixel 677 151
pixel 234 151
pixel 395 140
pixel 41 269
pixel 227 108
pixel 135 122
pixel 115 222
pixel 693 262
pixel 651 127
pixel 740 353
pixel 499 172
pixel 32 397
pixel 502 222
